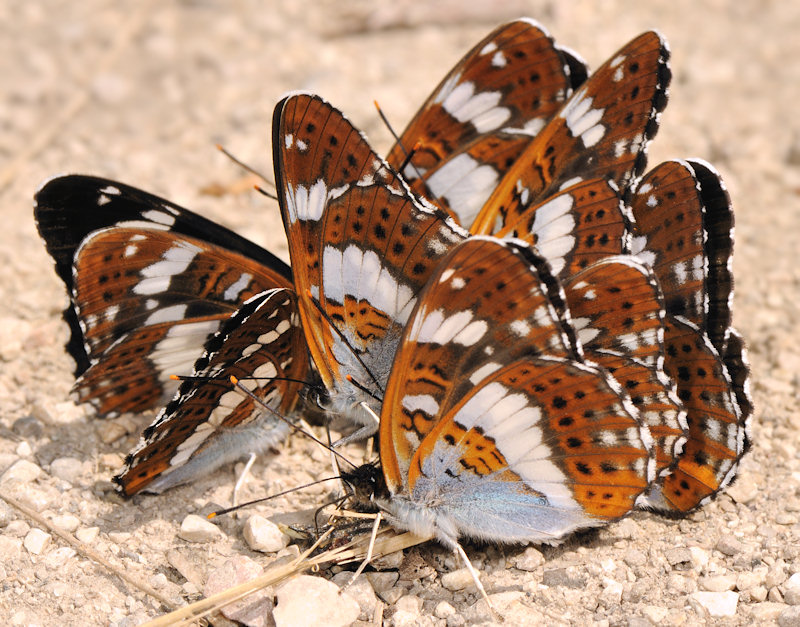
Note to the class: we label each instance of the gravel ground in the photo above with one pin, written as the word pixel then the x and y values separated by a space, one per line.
pixel 142 91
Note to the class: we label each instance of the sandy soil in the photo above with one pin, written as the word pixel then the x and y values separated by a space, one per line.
pixel 142 91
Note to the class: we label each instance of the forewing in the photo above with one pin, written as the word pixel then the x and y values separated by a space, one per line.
pixel 209 421
pixel 483 114
pixel 602 131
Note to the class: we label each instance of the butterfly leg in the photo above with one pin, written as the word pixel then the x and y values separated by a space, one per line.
pixel 242 477
pixel 368 558
pixel 364 432
pixel 476 578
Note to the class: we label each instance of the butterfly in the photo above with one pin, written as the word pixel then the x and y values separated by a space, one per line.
pixel 483 114
pixel 151 285
pixel 684 229
pixel 262 345
pixel 601 131
pixel 492 425
pixel 362 246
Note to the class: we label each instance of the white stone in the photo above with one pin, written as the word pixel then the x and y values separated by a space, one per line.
pixel 410 604
pixel 654 613
pixel 23 449
pixel 263 535
pixel 612 592
pixel 361 590
pixel 748 580
pixel 443 610
pixel 87 535
pixel 67 522
pixel 793 582
pixel 458 579
pixel 307 600
pixel 530 560
pixel 700 558
pixel 744 490
pixel 36 541
pixel 718 584
pixel 717 604
pixel 197 529
pixel 21 470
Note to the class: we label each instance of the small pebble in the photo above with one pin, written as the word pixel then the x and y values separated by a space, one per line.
pixel 764 613
pixel 728 545
pixel 718 584
pixel 67 522
pixel 530 560
pixel 744 490
pixel 87 535
pixel 17 529
pixel 775 595
pixel 444 610
pixel 717 604
pixel 679 557
pixel 36 541
pixel 197 529
pixel 382 581
pixel 361 590
pixel 22 470
pixel 393 561
pixel 748 580
pixel 23 449
pixel 562 577
pixel 255 608
pixel 790 617
pixel 67 469
pixel 409 603
pixel 700 557
pixel 307 600
pixel 654 614
pixel 759 594
pixel 775 577
pixel 263 535
pixel 612 593
pixel 792 596
pixel 28 427
pixel 635 557
pixel 458 579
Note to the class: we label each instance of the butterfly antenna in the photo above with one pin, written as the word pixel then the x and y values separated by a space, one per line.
pixel 211 378
pixel 408 154
pixel 328 319
pixel 244 166
pixel 264 192
pixel 293 426
pixel 228 510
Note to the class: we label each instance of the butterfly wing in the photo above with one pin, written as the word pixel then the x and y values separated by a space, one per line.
pixel 718 424
pixel 684 225
pixel 684 229
pixel 149 281
pixel 574 227
pixel 491 427
pixel 209 422
pixel 601 131
pixel 360 256
pixel 618 312
pixel 483 114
